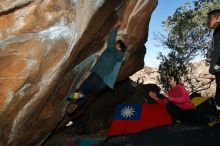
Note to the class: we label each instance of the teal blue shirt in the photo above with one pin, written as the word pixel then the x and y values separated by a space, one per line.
pixel 109 63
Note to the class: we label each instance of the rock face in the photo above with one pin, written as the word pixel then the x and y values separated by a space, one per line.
pixel 41 44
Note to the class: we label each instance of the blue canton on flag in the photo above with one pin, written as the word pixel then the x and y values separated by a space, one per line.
pixel 128 112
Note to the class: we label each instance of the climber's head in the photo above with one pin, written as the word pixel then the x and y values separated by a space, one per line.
pixel 120 45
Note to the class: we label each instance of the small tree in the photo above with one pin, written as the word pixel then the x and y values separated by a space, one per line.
pixel 187 37
pixel 171 64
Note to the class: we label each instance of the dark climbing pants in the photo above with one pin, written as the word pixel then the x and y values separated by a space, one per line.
pixel 90 87
pixel 190 116
pixel 217 95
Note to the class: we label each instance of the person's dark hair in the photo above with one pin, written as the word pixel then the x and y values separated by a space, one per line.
pixel 195 94
pixel 122 45
pixel 175 78
pixel 214 12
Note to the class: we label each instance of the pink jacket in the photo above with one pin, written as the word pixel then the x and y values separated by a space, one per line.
pixel 179 96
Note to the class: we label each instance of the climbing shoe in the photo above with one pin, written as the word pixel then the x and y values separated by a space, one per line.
pixel 75 96
pixel 71 108
pixel 214 122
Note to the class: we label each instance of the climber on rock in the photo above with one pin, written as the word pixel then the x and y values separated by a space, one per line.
pixel 104 72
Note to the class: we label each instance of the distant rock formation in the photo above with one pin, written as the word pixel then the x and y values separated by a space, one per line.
pixel 200 77
pixel 42 42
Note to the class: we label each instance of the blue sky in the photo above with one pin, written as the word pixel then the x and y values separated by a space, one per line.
pixel 164 9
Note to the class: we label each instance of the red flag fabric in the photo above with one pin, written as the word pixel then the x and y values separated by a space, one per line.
pixel 150 115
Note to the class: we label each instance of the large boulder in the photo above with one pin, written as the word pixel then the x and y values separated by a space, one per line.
pixel 42 43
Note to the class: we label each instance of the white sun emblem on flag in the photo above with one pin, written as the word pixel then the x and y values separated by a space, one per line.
pixel 127 112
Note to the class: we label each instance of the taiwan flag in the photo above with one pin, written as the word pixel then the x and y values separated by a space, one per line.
pixel 133 118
